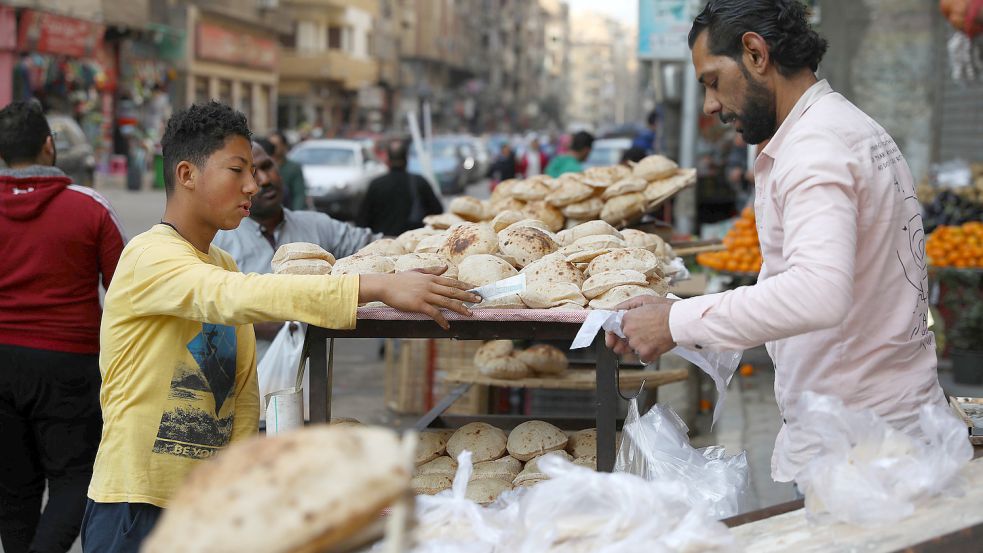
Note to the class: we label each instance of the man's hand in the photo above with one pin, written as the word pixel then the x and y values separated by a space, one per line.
pixel 646 326
pixel 419 291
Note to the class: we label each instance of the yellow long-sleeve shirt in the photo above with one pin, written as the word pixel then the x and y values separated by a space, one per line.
pixel 178 358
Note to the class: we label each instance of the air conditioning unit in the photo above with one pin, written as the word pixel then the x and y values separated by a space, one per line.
pixel 268 4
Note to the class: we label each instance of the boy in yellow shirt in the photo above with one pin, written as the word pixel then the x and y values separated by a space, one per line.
pixel 177 344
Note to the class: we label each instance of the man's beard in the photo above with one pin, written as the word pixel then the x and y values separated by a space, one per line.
pixel 758 120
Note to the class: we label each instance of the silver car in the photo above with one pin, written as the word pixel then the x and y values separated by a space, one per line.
pixel 337 173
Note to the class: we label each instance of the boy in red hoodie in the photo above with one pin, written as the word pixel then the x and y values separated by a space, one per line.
pixel 57 240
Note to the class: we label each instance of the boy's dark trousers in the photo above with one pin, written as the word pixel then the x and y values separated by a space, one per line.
pixel 50 426
pixel 117 527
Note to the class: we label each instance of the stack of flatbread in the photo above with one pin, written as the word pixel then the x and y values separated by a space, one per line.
pixel 501 461
pixel 499 359
pixel 314 489
pixel 302 258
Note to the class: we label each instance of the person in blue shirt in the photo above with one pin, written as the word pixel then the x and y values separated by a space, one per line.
pixel 648 139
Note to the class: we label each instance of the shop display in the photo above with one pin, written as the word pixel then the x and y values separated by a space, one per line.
pixel 958 247
pixel 742 254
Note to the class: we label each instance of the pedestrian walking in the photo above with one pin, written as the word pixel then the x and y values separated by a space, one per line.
pixel 399 200
pixel 580 147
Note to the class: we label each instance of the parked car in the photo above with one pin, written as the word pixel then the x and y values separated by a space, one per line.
pixel 75 155
pixel 479 151
pixel 453 163
pixel 338 173
pixel 607 151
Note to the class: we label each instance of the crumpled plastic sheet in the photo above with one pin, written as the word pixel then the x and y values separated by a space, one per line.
pixel 866 472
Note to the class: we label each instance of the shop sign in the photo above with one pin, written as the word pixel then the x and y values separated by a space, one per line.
pixel 663 29
pixel 215 43
pixel 47 33
pixel 8 28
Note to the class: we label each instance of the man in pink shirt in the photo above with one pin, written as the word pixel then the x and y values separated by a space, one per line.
pixel 842 298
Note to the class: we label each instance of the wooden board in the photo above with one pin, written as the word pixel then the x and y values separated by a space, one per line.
pixel 574 379
pixel 684 249
pixel 937 517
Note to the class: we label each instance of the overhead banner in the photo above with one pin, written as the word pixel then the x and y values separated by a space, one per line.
pixel 663 26
pixel 47 33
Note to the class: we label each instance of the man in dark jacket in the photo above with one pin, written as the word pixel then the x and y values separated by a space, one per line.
pixel 399 200
pixel 57 239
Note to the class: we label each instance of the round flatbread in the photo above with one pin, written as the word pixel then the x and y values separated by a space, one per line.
pixel 587 461
pixel 546 213
pixel 602 282
pixel 587 209
pixel 504 189
pixel 569 191
pixel 482 269
pixel 506 468
pixel 530 190
pixel 552 268
pixel 414 261
pixel 619 294
pixel 583 443
pixel 306 490
pixel 389 247
pixel 655 167
pixel 442 221
pixel 527 221
pixel 636 259
pixel 602 177
pixel 429 446
pixel 533 438
pixel 411 238
pixel 625 186
pixel 645 240
pixel 589 228
pixel 504 368
pixel 532 466
pixel 467 208
pixel 506 218
pixel 542 295
pixel 506 204
pixel 469 239
pixel 624 210
pixel 360 265
pixel 431 484
pixel 300 250
pixel 584 257
pixel 544 359
pixel 486 490
pixel 659 284
pixel 525 244
pixel 492 349
pixel 600 241
pixel 303 267
pixel 432 243
pixel 443 465
pixel 484 441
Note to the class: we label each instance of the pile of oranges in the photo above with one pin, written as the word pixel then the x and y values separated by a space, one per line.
pixel 960 247
pixel 742 253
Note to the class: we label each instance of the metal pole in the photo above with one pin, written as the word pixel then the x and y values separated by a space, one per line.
pixel 685 215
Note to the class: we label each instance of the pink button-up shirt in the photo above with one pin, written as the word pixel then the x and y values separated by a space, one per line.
pixel 842 298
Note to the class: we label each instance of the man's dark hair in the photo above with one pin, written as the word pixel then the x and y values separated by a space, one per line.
pixel 397 153
pixel 283 138
pixel 792 43
pixel 582 140
pixel 634 154
pixel 195 133
pixel 23 131
pixel 266 145
pixel 653 117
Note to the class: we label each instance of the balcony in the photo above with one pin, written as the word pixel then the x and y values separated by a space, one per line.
pixel 333 65
pixel 370 6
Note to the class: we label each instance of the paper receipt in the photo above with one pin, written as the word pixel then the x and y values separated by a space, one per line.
pixel 500 289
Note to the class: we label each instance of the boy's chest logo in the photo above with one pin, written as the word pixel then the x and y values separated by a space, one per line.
pixel 214 349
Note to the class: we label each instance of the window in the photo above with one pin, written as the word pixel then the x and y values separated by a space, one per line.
pixel 225 91
pixel 246 102
pixel 334 38
pixel 201 90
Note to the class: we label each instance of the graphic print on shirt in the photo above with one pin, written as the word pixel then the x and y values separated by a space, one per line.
pixel 886 155
pixel 197 419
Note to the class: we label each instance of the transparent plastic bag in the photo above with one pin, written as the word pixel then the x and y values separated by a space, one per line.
pixel 865 471
pixel 656 447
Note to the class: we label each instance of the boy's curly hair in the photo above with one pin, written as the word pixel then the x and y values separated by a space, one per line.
pixel 783 24
pixel 195 133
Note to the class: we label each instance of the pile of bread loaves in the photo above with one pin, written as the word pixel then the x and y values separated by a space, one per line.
pixel 499 359
pixel 501 462
pixel 618 194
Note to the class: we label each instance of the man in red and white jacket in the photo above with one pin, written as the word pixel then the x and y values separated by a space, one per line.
pixel 56 240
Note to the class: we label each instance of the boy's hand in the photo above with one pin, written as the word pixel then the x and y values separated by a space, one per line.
pixel 419 291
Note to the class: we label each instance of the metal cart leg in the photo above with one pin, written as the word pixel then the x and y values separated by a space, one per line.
pixel 606 404
pixel 441 406
pixel 320 382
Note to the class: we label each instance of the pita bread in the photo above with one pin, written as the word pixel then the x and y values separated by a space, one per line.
pixel 446 433
pixel 441 465
pixel 429 446
pixel 587 461
pixel 299 250
pixel 492 349
pixel 602 177
pixel 583 443
pixel 505 368
pixel 383 246
pixel 504 189
pixel 584 257
pixel 549 181
pixel 354 265
pixel 552 268
pixel 533 438
pixel 469 239
pixel 546 213
pixel 623 210
pixel 482 269
pixel 660 190
pixel 624 186
pixel 568 192
pixel 303 267
pixel 484 441
pixel 544 359
pixel 544 296
pixel 567 306
pixel 442 221
pixel 637 259
pixel 604 281
pixel 659 284
pixel 303 491
pixel 589 228
pixel 486 490
pixel 525 244
pixel 506 468
pixel 530 191
pixel 586 209
pixel 639 239
pixel 529 482
pixel 431 484
pixel 619 294
pixel 598 241
pixel 344 420
pixel 528 222
pixel 411 238
pixel 506 204
pixel 506 218
pixel 414 261
pixel 653 168
pixel 467 208
pixel 532 466
pixel 432 243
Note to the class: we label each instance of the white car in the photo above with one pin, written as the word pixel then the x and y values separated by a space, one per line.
pixel 337 173
pixel 607 151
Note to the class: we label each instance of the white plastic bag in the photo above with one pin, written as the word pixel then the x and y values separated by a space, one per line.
pixel 865 471
pixel 278 368
pixel 656 447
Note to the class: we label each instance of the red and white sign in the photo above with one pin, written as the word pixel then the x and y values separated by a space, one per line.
pixel 215 43
pixel 47 33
